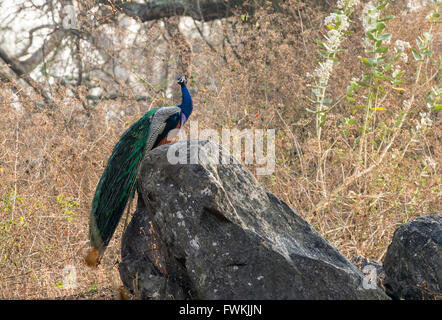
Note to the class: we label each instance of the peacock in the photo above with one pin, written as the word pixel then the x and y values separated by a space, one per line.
pixel 118 182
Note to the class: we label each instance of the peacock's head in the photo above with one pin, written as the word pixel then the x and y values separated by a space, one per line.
pixel 182 81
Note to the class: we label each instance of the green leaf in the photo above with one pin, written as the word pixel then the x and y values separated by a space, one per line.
pixel 370 36
pixel 416 55
pixel 93 289
pixel 322 44
pixel 310 100
pixel 388 78
pixel 363 84
pixel 381 89
pixel 323 54
pixel 337 50
pixel 365 61
pixel 317 92
pixel 427 53
pixel 381 50
pixel 380 27
pixel 384 36
pixel 382 5
pixel 398 74
pixel 322 120
pixel 374 62
pixel 386 18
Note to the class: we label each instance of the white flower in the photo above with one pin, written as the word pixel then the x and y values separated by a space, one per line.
pixel 401 45
pixel 341 4
pixel 425 122
pixel 407 104
pixel 396 71
pixel 334 39
pixel 427 36
pixel 414 5
pixel 404 56
pixel 349 3
pixel 330 19
pixel 425 119
pixel 370 15
pixel 333 18
pixel 323 71
pixel 369 18
pixel 344 22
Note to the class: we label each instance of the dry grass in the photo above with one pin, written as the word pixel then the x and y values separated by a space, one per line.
pixel 51 161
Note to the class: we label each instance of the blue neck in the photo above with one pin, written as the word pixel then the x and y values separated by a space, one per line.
pixel 186 104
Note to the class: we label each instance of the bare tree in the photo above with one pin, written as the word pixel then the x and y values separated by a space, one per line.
pixel 200 10
pixel 96 45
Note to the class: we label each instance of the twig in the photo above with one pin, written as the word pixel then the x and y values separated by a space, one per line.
pixel 19 70
pixel 15 171
pixel 302 31
pixel 297 146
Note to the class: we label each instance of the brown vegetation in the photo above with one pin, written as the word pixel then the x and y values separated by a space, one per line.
pixel 52 159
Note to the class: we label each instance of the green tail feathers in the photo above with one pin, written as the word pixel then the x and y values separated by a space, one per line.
pixel 117 184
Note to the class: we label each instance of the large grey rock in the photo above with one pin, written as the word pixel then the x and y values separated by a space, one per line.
pixel 211 231
pixel 413 263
